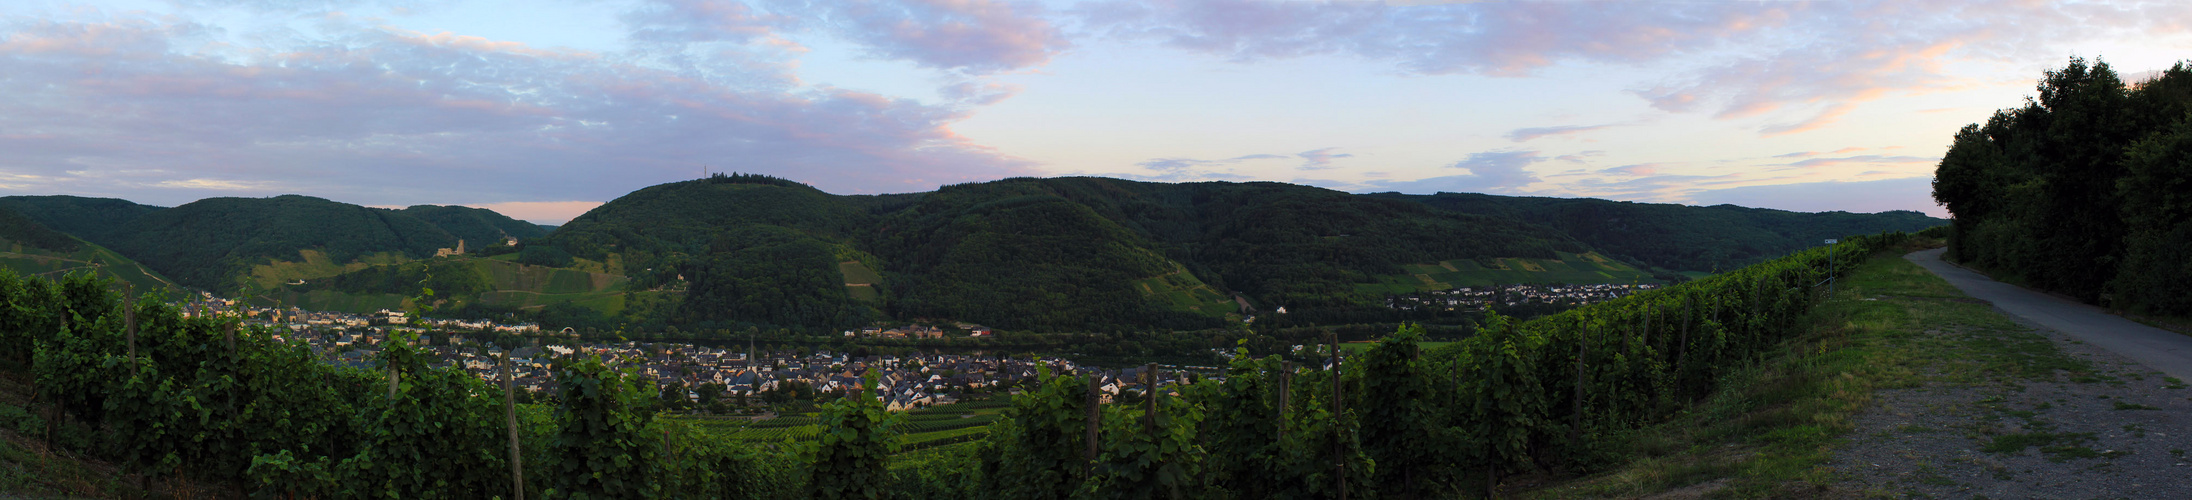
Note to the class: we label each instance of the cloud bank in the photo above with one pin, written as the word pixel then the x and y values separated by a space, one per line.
pixel 161 109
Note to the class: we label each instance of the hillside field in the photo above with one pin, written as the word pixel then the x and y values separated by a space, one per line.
pixel 28 261
pixel 1183 292
pixel 1571 268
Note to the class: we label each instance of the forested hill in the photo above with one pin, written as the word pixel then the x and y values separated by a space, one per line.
pixel 1061 254
pixel 29 248
pixel 98 220
pixel 19 229
pixel 213 243
pixel 1303 247
pixel 1098 253
pixel 1678 237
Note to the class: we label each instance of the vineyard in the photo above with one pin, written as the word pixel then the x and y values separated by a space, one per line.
pixel 134 381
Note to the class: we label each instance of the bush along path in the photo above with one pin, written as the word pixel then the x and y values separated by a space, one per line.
pixel 2004 407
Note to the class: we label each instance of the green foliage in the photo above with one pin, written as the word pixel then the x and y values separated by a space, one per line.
pixel 538 255
pixel 2080 190
pixel 431 435
pixel 1404 428
pixel 1148 455
pixel 1036 451
pixel 857 439
pixel 769 275
pixel 602 447
pixel 2157 206
pixel 1241 426
pixel 1502 394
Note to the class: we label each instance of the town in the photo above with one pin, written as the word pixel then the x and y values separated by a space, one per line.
pixel 1477 298
pixel 697 378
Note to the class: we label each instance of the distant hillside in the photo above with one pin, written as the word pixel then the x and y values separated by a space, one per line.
pixel 1277 244
pixel 478 227
pixel 749 249
pixel 22 230
pixel 227 244
pixel 1072 253
pixel 104 221
pixel 1064 254
pixel 1678 237
pixel 31 249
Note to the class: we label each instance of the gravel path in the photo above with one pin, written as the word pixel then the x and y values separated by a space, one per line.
pixel 2120 430
pixel 2158 349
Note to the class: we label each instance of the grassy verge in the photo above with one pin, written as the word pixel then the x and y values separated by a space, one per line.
pixel 1772 426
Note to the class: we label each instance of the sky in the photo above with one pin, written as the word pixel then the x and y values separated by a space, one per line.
pixel 542 109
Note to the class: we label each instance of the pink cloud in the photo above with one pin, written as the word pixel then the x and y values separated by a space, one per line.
pixel 1862 160
pixel 1502 38
pixel 1807 64
pixel 1320 159
pixel 977 36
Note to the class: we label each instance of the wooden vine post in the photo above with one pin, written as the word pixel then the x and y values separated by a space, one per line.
pixel 1092 416
pixel 1683 349
pixel 129 324
pixel 1286 393
pixel 1751 320
pixel 510 409
pixel 1575 411
pixel 1149 402
pixel 1339 457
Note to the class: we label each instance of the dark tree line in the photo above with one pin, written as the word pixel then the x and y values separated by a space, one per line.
pixel 2082 190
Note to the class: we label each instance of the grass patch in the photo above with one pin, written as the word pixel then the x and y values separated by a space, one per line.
pixel 1182 291
pixel 857 273
pixel 2134 406
pixel 1570 268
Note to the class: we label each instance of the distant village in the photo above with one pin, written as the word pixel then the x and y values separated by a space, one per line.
pixel 701 372
pixel 1471 298
pixel 742 381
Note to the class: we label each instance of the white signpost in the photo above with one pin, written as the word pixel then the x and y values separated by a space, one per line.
pixel 1830 266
